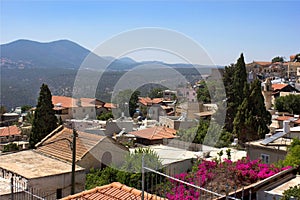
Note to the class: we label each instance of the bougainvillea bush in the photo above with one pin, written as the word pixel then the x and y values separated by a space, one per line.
pixel 220 177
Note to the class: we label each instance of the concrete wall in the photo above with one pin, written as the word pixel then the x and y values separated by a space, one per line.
pixel 62 181
pixel 47 186
pixel 94 158
pixel 115 127
pixel 275 155
pixel 179 167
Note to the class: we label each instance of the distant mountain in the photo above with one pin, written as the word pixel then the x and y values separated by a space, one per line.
pixel 56 54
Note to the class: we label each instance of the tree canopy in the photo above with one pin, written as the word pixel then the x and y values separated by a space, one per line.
pixel 278 59
pixel 44 120
pixel 130 172
pixel 156 93
pixel 205 133
pixel 127 98
pixel 236 86
pixel 252 118
pixel 293 156
pixel 289 103
pixel 246 116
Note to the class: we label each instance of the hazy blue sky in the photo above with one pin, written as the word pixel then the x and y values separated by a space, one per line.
pixel 261 30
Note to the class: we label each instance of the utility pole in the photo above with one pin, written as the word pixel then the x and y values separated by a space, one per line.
pixel 73 147
pixel 143 177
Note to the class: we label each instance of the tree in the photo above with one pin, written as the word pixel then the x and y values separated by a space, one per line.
pixel 289 103
pixel 25 108
pixel 44 120
pixel 156 93
pixel 130 173
pixel 293 156
pixel 236 86
pixel 252 119
pixel 207 132
pixel 105 116
pixel 291 192
pixel 203 93
pixel 133 102
pixel 278 59
pixel 127 98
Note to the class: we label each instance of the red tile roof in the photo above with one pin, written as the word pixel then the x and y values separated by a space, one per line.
pixel 9 130
pixel 279 86
pixel 155 133
pixel 283 118
pixel 113 191
pixel 56 144
pixel 69 102
pixel 110 105
pixel 148 101
pixel 263 63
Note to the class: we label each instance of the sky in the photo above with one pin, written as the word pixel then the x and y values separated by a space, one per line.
pixel 224 29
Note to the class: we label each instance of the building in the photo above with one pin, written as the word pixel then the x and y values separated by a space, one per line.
pixel 33 171
pixel 267 93
pixel 92 151
pixel 153 135
pixel 258 67
pixel 187 93
pixel 281 87
pixel 271 152
pixel 12 134
pixel 8 119
pixel 81 108
pixel 176 122
pixel 174 160
pixel 155 107
pixel 275 190
pixel 113 191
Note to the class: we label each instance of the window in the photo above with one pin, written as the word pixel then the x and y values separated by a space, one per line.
pixel 74 111
pixel 59 193
pixel 83 110
pixel 265 158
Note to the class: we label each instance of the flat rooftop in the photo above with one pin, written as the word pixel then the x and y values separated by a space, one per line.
pixel 279 144
pixel 31 164
pixel 281 188
pixel 170 155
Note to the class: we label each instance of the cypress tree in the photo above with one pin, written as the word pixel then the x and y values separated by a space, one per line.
pixel 235 81
pixel 252 119
pixel 44 120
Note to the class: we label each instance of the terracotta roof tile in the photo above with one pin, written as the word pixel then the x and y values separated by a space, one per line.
pixel 283 118
pixel 113 191
pixel 69 102
pixel 9 130
pixel 155 133
pixel 148 101
pixel 58 145
pixel 110 105
pixel 279 86
pixel 263 63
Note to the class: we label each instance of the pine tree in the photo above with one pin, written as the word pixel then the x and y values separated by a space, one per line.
pixel 44 120
pixel 252 119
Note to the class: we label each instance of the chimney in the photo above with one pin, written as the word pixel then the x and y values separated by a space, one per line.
pixel 286 126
